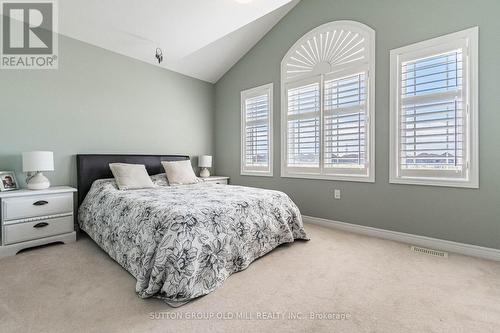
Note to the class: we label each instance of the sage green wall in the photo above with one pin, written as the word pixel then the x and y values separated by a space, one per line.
pixel 463 215
pixel 101 102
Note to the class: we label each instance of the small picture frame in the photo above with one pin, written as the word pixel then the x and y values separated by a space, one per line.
pixel 8 181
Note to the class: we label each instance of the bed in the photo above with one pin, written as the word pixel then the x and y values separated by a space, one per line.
pixel 180 242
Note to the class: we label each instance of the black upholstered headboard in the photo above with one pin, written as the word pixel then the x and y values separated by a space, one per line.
pixel 91 167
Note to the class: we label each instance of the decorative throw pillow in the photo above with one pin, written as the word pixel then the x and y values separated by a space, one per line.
pixel 130 176
pixel 179 172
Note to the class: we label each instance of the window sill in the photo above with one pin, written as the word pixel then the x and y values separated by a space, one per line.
pixel 361 179
pixel 259 174
pixel 435 182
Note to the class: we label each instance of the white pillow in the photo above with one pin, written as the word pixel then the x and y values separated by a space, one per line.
pixel 130 176
pixel 179 172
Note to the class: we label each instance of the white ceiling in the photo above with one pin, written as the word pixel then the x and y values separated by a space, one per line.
pixel 199 38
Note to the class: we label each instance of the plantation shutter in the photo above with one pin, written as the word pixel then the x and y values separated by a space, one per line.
pixel 345 123
pixel 303 126
pixel 256 134
pixel 328 104
pixel 432 116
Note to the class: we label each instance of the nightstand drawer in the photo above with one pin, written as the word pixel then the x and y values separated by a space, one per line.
pixel 36 205
pixel 26 231
pixel 223 181
pixel 216 180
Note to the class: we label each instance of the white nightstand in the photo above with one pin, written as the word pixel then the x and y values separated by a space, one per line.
pixel 216 180
pixel 31 218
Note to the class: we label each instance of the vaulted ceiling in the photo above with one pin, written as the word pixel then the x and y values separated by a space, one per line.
pixel 199 38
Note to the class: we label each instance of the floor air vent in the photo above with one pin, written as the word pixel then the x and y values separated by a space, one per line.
pixel 430 252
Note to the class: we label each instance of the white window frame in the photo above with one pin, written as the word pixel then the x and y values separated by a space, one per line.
pixel 468 40
pixel 321 75
pixel 246 94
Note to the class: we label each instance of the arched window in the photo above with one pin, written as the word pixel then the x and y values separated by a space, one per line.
pixel 327 100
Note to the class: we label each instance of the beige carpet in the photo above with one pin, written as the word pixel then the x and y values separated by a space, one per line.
pixel 351 283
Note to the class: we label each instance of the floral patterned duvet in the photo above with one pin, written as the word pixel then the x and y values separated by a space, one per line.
pixel 182 242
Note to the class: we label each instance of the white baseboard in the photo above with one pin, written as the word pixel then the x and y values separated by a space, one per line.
pixel 428 242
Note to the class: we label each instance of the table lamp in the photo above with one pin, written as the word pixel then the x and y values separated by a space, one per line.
pixel 205 162
pixel 34 162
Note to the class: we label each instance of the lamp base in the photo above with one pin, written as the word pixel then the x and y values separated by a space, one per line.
pixel 38 182
pixel 204 173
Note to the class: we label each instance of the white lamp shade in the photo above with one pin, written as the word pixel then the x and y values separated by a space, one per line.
pixel 38 161
pixel 205 161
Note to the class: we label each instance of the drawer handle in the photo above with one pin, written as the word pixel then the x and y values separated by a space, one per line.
pixel 40 225
pixel 40 203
